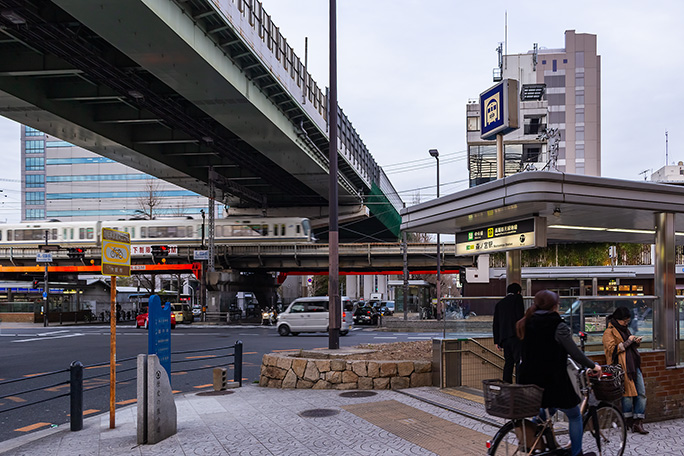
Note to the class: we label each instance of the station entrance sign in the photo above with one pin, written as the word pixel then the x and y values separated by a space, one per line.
pixel 520 234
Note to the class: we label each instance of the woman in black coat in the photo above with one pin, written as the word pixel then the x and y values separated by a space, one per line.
pixel 546 344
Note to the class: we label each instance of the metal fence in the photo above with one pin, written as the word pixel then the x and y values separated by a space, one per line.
pixel 72 383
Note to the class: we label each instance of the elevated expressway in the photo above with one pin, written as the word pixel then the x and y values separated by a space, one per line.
pixel 206 94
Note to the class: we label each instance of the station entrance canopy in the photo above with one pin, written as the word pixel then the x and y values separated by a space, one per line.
pixel 573 208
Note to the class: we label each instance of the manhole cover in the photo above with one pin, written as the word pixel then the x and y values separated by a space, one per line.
pixel 318 413
pixel 215 393
pixel 358 394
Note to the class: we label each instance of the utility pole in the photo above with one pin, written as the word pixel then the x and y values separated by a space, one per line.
pixel 335 313
pixel 46 287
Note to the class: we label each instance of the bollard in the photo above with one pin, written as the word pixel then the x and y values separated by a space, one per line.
pixel 237 372
pixel 76 394
pixel 220 378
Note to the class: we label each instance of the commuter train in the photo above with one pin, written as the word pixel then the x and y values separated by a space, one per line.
pixel 178 231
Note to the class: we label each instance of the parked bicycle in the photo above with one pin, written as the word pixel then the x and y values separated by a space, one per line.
pixel 604 426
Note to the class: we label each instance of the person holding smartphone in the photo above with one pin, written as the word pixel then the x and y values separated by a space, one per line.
pixel 620 347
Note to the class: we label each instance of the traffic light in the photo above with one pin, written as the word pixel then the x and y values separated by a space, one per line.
pixel 36 284
pixel 160 251
pixel 76 253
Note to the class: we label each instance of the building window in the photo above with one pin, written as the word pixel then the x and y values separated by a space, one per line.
pixel 579 80
pixel 554 81
pixel 579 168
pixel 555 65
pixel 565 60
pixel 579 115
pixel 35 198
pixel 579 150
pixel 561 153
pixel 35 180
pixel 35 147
pixel 579 59
pixel 474 123
pixel 533 125
pixel 35 214
pixel 556 99
pixel 579 133
pixel 543 62
pixel 557 117
pixel 30 131
pixel 35 164
pixel 58 144
pixel 531 153
pixel 579 97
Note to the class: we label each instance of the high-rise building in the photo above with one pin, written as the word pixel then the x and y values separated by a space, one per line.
pixel 65 182
pixel 560 112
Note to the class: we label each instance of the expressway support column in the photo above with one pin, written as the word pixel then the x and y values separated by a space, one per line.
pixel 664 315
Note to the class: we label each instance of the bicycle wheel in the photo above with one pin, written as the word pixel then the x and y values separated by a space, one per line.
pixel 507 441
pixel 611 435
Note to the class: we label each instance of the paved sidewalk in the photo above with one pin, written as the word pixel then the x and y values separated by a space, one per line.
pixel 263 421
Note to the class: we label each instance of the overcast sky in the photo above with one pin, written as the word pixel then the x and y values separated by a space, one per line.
pixel 406 69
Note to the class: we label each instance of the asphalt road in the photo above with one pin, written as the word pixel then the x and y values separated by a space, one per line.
pixel 28 351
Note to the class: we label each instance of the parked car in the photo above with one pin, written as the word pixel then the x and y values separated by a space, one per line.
pixel 390 307
pixel 142 321
pixel 311 315
pixel 196 311
pixel 366 315
pixel 182 312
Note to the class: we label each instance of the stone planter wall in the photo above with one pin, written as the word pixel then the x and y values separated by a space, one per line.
pixel 292 371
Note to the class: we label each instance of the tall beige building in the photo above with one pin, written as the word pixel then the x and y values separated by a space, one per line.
pixel 561 94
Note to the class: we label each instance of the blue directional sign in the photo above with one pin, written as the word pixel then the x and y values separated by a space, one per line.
pixel 499 109
pixel 159 336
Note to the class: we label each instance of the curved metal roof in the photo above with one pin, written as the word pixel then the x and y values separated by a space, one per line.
pixel 576 208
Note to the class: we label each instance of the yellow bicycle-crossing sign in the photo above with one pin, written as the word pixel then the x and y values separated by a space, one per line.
pixel 116 253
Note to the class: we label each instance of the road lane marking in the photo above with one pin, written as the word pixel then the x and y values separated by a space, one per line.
pixel 203 356
pixel 53 332
pixel 32 427
pixel 420 338
pixel 41 373
pixel 203 386
pixel 254 353
pixel 288 350
pixel 384 337
pixel 48 338
pixel 130 401
pixel 15 399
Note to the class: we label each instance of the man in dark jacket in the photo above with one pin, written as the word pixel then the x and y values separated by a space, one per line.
pixel 506 314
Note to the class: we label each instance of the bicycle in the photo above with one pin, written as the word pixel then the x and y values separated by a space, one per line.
pixel 604 426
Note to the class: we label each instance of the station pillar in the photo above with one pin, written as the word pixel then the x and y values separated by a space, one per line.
pixel 513 267
pixel 664 315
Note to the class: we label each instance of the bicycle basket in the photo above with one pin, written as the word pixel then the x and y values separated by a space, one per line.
pixel 610 386
pixel 509 401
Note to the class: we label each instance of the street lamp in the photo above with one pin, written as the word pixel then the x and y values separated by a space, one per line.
pixel 435 153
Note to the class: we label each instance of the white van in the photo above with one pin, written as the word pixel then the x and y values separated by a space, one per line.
pixel 311 315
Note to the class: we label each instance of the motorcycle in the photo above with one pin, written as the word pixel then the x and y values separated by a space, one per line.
pixel 268 317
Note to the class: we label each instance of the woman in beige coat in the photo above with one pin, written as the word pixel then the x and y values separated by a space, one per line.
pixel 620 347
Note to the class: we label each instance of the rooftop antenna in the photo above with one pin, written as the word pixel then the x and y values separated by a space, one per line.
pixel 645 173
pixel 497 73
pixel 667 158
pixel 506 38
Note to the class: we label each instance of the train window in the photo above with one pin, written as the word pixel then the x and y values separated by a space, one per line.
pixel 90 233
pixel 307 226
pixel 132 232
pixel 299 229
pixel 0 235
pixel 275 230
pixel 188 231
pixel 9 235
pixel 282 229
pixel 143 232
pixel 264 230
pixel 71 233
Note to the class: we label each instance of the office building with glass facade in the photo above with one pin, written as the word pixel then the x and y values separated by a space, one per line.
pixel 65 182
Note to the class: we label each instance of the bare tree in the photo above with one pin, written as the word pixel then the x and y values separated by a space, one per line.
pixel 180 208
pixel 150 200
